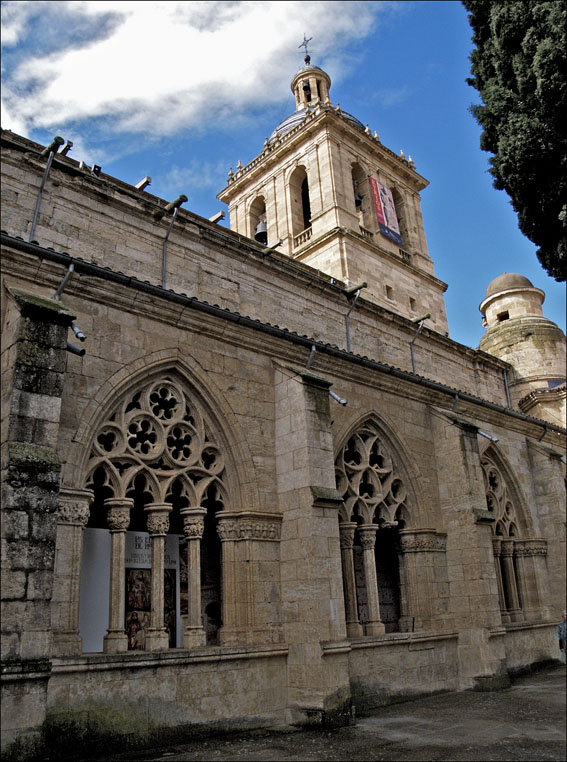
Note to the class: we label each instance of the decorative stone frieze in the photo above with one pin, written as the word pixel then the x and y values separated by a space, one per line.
pixel 248 526
pixel 415 541
pixel 535 547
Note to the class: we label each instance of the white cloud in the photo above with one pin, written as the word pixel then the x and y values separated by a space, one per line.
pixel 165 66
pixel 15 16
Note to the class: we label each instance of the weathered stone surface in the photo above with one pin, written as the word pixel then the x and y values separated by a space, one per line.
pixel 447 566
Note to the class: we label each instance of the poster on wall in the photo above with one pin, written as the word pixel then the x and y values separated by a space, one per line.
pixel 385 211
pixel 138 604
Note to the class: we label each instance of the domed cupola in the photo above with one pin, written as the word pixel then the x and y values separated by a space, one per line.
pixel 518 332
pixel 310 85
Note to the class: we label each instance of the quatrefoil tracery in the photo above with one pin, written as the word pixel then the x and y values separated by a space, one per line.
pixel 158 432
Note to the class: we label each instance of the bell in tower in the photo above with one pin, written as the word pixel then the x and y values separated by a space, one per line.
pixel 261 234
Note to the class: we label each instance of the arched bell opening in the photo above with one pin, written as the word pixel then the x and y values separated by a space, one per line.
pixel 362 197
pixel 258 221
pixel 299 201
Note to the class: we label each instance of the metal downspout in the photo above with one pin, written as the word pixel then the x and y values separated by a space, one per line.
pixel 164 255
pixel 52 148
pixel 347 326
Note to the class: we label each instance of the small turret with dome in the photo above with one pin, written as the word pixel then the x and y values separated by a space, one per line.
pixel 519 333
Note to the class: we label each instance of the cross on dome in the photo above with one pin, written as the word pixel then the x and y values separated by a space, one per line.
pixel 304 44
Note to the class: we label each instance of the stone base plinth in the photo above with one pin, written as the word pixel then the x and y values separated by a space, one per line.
pixel 115 642
pixel 194 637
pixel 374 628
pixel 157 640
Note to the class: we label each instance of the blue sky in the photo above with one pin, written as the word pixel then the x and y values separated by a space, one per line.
pixel 181 91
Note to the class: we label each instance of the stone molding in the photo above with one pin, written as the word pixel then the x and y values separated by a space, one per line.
pixel 74 506
pixel 420 540
pixel 249 525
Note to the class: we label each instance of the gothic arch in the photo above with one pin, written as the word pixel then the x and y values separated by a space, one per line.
pixel 519 557
pixel 401 469
pixel 508 504
pixel 239 464
pixel 383 550
pixel 362 195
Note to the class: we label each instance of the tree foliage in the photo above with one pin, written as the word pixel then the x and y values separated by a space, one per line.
pixel 519 68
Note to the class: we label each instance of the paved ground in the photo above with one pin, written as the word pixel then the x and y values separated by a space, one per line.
pixel 524 722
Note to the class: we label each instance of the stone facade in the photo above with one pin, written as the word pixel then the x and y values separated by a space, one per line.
pixel 194 531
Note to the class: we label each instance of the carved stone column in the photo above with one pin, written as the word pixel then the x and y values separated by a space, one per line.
pixel 73 515
pixel 532 577
pixel 118 519
pixel 497 549
pixel 346 530
pixel 158 525
pixel 367 533
pixel 194 635
pixel 509 579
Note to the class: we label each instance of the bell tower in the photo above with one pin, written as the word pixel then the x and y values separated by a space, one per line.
pixel 339 201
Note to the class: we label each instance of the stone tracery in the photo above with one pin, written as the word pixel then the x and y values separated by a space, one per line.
pixel 156 455
pixel 372 488
pixel 159 432
pixel 516 560
pixel 373 510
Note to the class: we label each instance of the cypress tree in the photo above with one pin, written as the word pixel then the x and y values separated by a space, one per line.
pixel 519 67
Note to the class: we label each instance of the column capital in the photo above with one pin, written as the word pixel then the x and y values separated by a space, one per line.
pixel 367 534
pixel 158 518
pixel 193 522
pixel 74 506
pixel 497 545
pixel 507 546
pixel 118 513
pixel 346 532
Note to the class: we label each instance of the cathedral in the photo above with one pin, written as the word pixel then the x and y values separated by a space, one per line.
pixel 248 479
